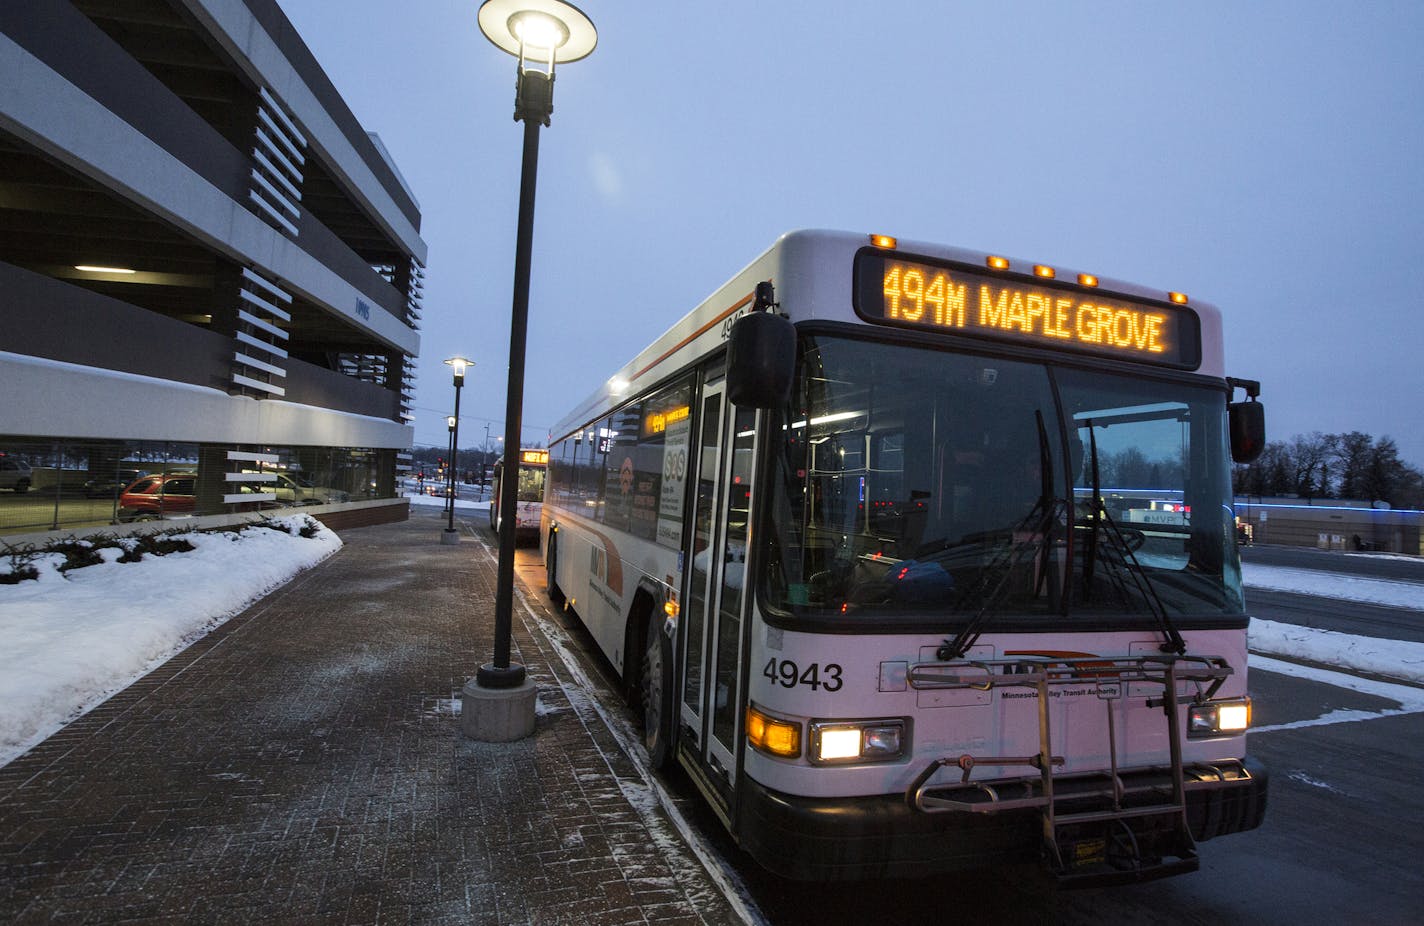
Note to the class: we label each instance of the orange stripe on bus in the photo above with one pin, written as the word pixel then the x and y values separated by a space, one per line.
pixel 696 334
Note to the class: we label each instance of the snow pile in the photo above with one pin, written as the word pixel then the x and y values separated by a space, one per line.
pixel 70 640
pixel 1333 585
pixel 1401 659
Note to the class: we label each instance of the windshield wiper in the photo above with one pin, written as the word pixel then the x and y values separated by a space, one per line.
pixel 1126 558
pixel 1040 518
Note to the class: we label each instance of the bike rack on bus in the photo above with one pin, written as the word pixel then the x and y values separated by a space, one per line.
pixel 1048 791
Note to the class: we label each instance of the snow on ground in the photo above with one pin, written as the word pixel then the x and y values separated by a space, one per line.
pixel 1333 585
pixel 70 640
pixel 1401 659
pixel 435 501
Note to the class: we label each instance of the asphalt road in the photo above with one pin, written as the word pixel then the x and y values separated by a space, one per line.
pixel 1354 617
pixel 1341 843
pixel 1373 565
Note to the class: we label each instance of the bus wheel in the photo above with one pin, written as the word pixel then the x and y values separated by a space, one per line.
pixel 551 573
pixel 657 695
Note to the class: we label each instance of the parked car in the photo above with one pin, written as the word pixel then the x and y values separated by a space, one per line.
pixel 103 486
pixel 298 490
pixel 15 474
pixel 158 496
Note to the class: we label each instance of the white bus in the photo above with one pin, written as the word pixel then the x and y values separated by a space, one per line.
pixel 529 498
pixel 874 536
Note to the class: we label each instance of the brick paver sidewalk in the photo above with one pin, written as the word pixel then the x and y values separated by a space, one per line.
pixel 303 763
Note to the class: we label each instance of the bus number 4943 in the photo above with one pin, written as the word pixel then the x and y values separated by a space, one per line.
pixel 816 676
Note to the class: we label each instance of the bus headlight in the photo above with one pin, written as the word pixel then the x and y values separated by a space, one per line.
pixel 772 735
pixel 839 742
pixel 1218 718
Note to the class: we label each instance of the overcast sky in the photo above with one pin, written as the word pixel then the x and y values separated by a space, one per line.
pixel 1264 156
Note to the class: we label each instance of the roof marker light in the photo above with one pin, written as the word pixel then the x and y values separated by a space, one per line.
pixel 997 263
pixel 884 241
pixel 1087 279
pixel 1047 273
pixel 1178 298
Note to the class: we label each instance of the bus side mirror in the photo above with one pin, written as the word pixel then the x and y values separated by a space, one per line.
pixel 1247 421
pixel 761 360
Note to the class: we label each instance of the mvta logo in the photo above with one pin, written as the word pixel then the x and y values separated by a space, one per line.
pixel 363 310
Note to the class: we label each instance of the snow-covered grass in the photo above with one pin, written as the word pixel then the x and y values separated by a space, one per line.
pixel 1401 659
pixel 1393 658
pixel 68 640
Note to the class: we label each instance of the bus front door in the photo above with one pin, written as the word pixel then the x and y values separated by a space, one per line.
pixel 716 596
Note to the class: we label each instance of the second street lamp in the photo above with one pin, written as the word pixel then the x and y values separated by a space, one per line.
pixel 540 34
pixel 459 364
pixel 450 422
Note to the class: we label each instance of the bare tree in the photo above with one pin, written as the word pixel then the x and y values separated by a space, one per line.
pixel 1310 458
pixel 1382 474
pixel 1352 459
pixel 1269 474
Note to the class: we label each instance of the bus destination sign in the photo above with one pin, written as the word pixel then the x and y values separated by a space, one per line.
pixel 953 298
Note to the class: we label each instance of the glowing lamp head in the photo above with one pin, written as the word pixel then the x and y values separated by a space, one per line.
pixel 554 30
pixel 450 422
pixel 1087 279
pixel 1178 298
pixel 1046 272
pixel 539 30
pixel 884 241
pixel 459 364
pixel 997 263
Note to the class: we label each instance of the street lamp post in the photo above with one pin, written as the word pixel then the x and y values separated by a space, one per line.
pixel 450 421
pixel 484 461
pixel 459 364
pixel 540 34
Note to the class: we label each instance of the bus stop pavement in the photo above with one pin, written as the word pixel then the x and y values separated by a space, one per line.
pixel 303 763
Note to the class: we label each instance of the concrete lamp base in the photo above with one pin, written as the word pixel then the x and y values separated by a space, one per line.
pixel 497 715
pixel 449 536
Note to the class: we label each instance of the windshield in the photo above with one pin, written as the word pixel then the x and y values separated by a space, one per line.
pixel 914 480
pixel 531 483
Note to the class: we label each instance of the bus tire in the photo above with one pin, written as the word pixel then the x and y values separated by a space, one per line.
pixel 551 570
pixel 656 693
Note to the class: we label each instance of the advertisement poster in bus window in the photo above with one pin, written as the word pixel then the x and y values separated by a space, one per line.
pixel 675 448
pixel 643 514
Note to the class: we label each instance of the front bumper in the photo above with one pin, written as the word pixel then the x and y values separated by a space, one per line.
pixel 819 839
